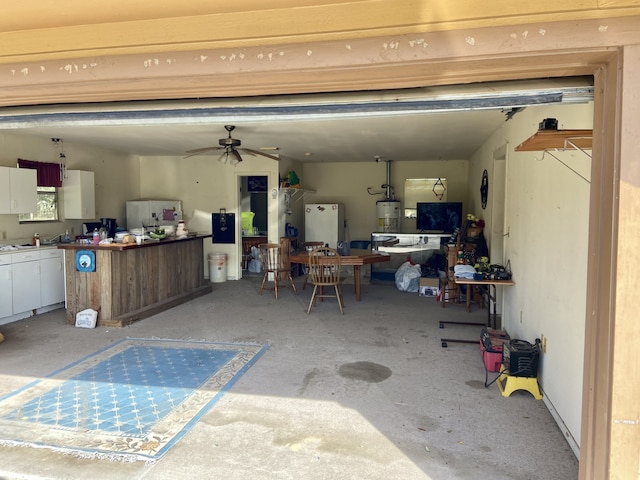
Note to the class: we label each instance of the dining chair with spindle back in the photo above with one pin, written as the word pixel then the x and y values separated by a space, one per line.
pixel 272 265
pixel 324 271
pixel 309 246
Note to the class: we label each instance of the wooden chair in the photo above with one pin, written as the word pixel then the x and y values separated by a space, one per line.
pixel 309 246
pixel 272 264
pixel 324 271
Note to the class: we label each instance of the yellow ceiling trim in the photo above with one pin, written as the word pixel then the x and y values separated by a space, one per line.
pixel 303 24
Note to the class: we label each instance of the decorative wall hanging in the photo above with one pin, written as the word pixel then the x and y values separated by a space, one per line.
pixel 484 189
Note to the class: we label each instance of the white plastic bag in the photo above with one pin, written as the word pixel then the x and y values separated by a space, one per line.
pixel 255 264
pixel 86 318
pixel 408 277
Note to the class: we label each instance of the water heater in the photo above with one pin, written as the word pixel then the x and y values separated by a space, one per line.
pixel 388 216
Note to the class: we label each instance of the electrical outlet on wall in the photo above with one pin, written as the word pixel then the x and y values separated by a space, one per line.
pixel 543 343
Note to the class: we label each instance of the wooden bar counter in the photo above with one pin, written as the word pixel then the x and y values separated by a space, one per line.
pixel 131 282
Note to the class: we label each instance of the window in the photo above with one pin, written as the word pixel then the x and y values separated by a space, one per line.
pixel 47 207
pixel 418 190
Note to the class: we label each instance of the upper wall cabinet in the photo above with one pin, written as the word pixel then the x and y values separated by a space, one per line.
pixel 79 194
pixel 18 190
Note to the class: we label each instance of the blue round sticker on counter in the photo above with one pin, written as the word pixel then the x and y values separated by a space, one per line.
pixel 85 261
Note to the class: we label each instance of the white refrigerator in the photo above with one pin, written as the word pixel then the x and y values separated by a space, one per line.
pixel 324 222
pixel 151 213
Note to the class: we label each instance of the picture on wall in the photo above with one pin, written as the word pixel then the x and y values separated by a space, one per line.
pixel 257 184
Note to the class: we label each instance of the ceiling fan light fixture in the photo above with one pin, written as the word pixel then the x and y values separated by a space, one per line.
pixel 236 158
pixel 231 149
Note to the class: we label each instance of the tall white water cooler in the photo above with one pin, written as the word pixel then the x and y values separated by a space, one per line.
pixel 324 222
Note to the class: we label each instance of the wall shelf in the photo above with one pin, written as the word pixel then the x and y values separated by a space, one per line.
pixel 548 141
pixel 295 193
pixel 557 139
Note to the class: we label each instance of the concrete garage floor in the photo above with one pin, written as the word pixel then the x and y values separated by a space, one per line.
pixel 307 409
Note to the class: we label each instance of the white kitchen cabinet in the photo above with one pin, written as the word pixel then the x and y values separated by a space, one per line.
pixel 18 190
pixel 6 295
pixel 31 280
pixel 25 273
pixel 51 277
pixel 78 190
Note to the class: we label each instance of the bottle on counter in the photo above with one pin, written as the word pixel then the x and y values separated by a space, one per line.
pixel 66 237
pixel 36 240
pixel 96 236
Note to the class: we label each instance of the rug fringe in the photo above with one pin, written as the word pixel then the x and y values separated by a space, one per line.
pixel 201 340
pixel 112 457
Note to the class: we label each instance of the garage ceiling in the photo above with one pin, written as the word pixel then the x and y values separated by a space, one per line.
pixel 418 124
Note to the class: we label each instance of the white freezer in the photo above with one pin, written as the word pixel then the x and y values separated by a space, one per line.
pixel 324 222
pixel 149 213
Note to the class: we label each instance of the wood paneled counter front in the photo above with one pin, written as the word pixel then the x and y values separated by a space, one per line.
pixel 131 282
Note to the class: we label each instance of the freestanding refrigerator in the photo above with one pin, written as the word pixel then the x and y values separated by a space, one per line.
pixel 151 213
pixel 324 222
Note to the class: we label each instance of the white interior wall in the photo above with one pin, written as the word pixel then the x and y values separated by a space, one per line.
pixel 347 183
pixel 117 177
pixel 547 217
pixel 205 186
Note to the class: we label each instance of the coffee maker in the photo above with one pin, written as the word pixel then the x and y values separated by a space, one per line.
pixel 109 224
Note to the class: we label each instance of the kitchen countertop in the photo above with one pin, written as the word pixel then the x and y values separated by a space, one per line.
pixel 10 248
pixel 127 246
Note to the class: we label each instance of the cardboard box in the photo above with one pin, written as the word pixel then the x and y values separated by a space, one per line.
pixel 428 287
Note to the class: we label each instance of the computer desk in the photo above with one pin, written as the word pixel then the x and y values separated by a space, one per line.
pixel 488 290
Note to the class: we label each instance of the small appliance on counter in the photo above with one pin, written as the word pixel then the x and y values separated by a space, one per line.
pixel 110 225
pixel 89 227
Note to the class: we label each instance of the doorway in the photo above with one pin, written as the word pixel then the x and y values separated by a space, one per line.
pixel 254 213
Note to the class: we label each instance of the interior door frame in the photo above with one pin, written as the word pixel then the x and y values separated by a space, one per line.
pixel 239 177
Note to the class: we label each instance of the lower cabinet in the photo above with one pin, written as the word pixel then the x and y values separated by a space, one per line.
pixel 6 295
pixel 51 277
pixel 30 280
pixel 25 273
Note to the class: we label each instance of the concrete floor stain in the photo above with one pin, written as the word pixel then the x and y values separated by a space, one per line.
pixel 366 371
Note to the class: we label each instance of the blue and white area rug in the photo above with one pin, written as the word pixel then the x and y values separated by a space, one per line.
pixel 130 401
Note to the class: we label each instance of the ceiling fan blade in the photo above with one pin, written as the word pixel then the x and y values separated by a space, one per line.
pixel 251 151
pixel 237 159
pixel 204 149
pixel 200 151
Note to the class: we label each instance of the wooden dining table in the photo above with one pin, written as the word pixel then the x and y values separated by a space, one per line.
pixel 356 258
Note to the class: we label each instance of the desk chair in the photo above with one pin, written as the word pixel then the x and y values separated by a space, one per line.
pixel 308 246
pixel 272 264
pixel 324 271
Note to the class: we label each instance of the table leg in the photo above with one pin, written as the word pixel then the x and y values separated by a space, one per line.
pixel 495 312
pixel 356 280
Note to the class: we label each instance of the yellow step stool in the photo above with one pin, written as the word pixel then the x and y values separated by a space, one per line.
pixel 508 384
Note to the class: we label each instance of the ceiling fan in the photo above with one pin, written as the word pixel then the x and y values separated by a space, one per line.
pixel 231 149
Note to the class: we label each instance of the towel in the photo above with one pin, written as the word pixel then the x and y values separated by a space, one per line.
pixel 464 271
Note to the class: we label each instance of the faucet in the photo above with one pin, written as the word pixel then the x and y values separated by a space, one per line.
pixel 55 238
